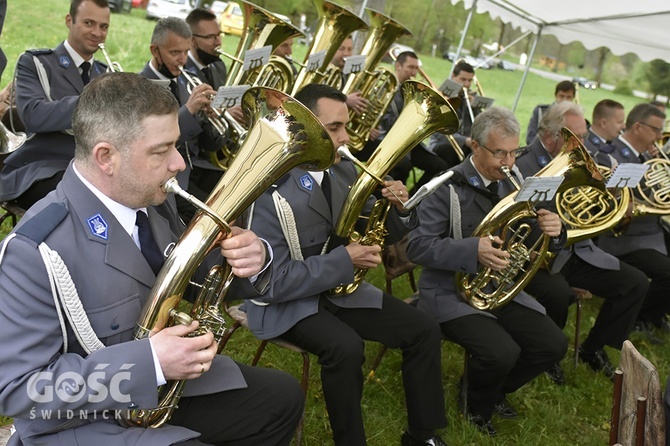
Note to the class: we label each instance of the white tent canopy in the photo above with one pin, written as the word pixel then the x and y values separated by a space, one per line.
pixel 623 26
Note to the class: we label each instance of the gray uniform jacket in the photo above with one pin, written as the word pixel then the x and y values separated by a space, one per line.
pixel 49 149
pixel 298 284
pixel 535 158
pixel 190 127
pixel 431 245
pixel 113 281
pixel 643 232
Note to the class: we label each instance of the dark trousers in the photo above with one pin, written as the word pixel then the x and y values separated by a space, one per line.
pixel 657 268
pixel 38 190
pixel 622 291
pixel 430 163
pixel 506 352
pixel 264 413
pixel 336 336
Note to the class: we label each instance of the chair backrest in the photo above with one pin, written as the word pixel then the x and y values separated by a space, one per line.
pixel 394 258
pixel 638 403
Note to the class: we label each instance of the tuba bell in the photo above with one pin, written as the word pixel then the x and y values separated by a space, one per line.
pixel 511 221
pixel 426 111
pixel 377 85
pixel 335 25
pixel 284 134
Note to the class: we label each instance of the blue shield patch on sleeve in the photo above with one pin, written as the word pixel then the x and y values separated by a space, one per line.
pixel 475 181
pixel 307 182
pixel 64 61
pixel 98 226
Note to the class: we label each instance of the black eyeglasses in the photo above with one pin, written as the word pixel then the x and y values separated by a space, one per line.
pixel 658 130
pixel 501 154
pixel 209 36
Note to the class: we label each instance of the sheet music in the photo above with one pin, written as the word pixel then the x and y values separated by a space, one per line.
pixel 536 189
pixel 450 88
pixel 229 96
pixel 257 57
pixel 481 102
pixel 353 64
pixel 315 61
pixel 627 175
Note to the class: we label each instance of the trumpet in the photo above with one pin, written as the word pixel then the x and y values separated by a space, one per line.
pixel 221 120
pixel 112 66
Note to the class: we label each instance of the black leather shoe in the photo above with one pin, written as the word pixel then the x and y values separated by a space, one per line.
pixel 598 361
pixel 555 373
pixel 408 440
pixel 483 425
pixel 647 329
pixel 505 410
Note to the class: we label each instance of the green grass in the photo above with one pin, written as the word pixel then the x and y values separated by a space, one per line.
pixel 577 413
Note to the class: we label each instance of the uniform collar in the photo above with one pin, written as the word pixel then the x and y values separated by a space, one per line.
pixel 76 58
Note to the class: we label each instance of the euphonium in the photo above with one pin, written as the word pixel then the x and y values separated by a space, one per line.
pixel 112 66
pixel 511 221
pixel 426 111
pixel 335 25
pixel 284 134
pixel 376 85
pixel 261 28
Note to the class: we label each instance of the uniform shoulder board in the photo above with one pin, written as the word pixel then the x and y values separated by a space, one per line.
pixel 524 151
pixel 43 223
pixel 40 51
pixel 281 181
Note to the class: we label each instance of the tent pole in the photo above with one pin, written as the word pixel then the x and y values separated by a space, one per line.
pixel 463 34
pixel 525 73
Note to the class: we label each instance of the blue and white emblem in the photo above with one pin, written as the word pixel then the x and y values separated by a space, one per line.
pixel 98 226
pixel 625 152
pixel 307 182
pixel 64 61
pixel 595 140
pixel 542 160
pixel 475 181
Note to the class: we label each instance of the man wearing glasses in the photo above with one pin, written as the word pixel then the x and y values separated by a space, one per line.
pixel 642 243
pixel 582 265
pixel 507 346
pixel 203 57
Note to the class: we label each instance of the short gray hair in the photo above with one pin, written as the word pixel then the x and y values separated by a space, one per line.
pixel 553 120
pixel 494 118
pixel 170 25
pixel 112 109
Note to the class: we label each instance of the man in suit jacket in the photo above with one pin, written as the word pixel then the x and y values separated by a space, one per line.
pixel 206 39
pixel 509 345
pixel 607 122
pixel 48 83
pixel 309 261
pixel 99 277
pixel 582 265
pixel 564 91
pixel 170 44
pixel 642 243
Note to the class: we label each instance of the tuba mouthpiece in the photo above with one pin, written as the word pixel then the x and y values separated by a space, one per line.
pixel 172 186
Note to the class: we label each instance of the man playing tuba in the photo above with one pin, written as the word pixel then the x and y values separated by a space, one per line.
pixel 510 345
pixel 84 237
pixel 297 216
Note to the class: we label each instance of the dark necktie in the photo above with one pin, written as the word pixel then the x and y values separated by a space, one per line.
pixel 174 88
pixel 641 158
pixel 85 67
pixel 493 188
pixel 325 187
pixel 207 71
pixel 148 244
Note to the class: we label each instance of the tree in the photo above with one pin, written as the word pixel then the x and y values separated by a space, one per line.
pixel 658 75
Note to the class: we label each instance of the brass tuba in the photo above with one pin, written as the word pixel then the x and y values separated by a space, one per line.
pixel 511 221
pixel 261 28
pixel 335 25
pixel 284 134
pixel 376 85
pixel 426 111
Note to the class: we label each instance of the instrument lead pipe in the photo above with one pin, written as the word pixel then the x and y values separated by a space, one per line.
pixel 346 153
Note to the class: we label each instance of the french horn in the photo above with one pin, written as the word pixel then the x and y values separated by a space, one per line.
pixel 283 134
pixel 512 221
